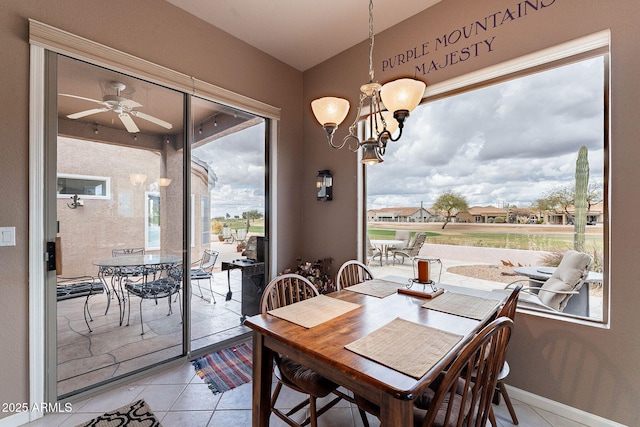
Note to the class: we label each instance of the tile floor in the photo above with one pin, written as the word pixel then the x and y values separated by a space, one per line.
pixel 179 398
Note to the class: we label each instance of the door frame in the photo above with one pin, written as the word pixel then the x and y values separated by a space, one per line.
pixel 47 40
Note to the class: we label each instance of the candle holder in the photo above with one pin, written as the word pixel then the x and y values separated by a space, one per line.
pixel 423 266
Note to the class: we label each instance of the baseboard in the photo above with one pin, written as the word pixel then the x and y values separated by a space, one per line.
pixel 561 409
pixel 17 419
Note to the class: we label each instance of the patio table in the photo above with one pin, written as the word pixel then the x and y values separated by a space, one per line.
pixel 113 270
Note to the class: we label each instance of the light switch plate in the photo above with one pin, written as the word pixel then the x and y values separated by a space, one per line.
pixel 7 236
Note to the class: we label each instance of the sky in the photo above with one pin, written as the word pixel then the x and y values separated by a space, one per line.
pixel 509 143
pixel 238 163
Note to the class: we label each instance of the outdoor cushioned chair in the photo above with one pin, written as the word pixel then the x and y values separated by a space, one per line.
pixel 351 273
pixel 281 291
pixel 205 271
pixel 565 281
pixel 372 252
pixel 462 395
pixel 412 250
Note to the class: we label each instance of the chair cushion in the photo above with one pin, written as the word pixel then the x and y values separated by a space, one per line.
pixel 304 378
pixel 199 273
pixel 569 276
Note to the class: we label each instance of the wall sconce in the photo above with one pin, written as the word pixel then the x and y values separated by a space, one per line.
pixel 137 178
pixel 324 185
pixel 164 182
pixel 76 202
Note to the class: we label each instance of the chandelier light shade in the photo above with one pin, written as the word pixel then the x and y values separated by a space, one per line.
pixel 389 107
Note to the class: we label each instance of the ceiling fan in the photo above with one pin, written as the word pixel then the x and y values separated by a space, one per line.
pixel 113 100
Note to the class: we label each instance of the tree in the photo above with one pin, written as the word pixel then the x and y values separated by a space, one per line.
pixel 450 203
pixel 563 198
pixel 252 214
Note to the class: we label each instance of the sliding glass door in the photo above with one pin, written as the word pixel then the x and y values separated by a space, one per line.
pixel 120 215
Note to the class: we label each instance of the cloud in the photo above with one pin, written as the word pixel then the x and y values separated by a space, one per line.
pixel 238 161
pixel 507 143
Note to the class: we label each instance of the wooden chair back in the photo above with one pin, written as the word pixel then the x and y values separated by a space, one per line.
pixel 464 396
pixel 510 305
pixel 351 273
pixel 286 289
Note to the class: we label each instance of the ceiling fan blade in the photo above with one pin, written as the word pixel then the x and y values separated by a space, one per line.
pixel 81 97
pixel 152 119
pixel 87 113
pixel 128 122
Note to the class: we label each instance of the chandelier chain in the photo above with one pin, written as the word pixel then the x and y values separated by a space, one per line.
pixel 371 41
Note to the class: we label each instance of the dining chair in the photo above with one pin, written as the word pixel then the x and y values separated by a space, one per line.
pixel 165 286
pixel 508 310
pixel 351 273
pixel 461 396
pixel 282 291
pixel 205 271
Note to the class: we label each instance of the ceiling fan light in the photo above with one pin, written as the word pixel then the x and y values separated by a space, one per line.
pixel 402 94
pixel 330 110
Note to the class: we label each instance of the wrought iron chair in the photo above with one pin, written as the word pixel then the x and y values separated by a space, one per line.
pixel 129 272
pixel 79 287
pixel 281 291
pixel 351 273
pixel 205 271
pixel 165 286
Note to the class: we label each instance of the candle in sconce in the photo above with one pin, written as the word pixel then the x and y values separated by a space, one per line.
pixel 423 271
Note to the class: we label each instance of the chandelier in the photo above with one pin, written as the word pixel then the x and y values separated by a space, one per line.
pixel 389 106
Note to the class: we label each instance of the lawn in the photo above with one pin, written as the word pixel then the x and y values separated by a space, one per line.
pixel 542 241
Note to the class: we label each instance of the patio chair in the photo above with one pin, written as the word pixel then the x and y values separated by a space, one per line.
pixel 227 235
pixel 566 281
pixel 373 252
pixel 205 271
pixel 158 288
pixel 351 273
pixel 412 250
pixel 241 235
pixel 405 236
pixel 128 272
pixel 79 287
pixel 282 291
pixel 457 397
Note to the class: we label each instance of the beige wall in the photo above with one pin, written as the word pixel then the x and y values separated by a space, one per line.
pixel 158 32
pixel 586 367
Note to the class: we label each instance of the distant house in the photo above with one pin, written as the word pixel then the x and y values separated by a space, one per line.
pixel 594 216
pixel 400 214
pixel 482 215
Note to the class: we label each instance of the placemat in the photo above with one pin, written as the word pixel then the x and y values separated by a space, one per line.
pixel 462 305
pixel 376 287
pixel 407 347
pixel 314 311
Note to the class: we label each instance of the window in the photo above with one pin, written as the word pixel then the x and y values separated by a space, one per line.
pixel 89 187
pixel 510 145
pixel 205 217
pixel 152 222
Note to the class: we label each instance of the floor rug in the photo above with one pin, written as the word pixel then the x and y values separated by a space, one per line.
pixel 136 414
pixel 226 369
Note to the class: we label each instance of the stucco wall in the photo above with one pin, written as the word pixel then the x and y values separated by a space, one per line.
pixel 586 367
pixel 155 31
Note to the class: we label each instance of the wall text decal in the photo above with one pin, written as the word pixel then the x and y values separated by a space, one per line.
pixel 434 54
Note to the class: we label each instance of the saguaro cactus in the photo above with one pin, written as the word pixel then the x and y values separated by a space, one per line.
pixel 582 182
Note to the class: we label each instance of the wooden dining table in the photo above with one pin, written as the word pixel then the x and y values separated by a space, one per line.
pixel 322 348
